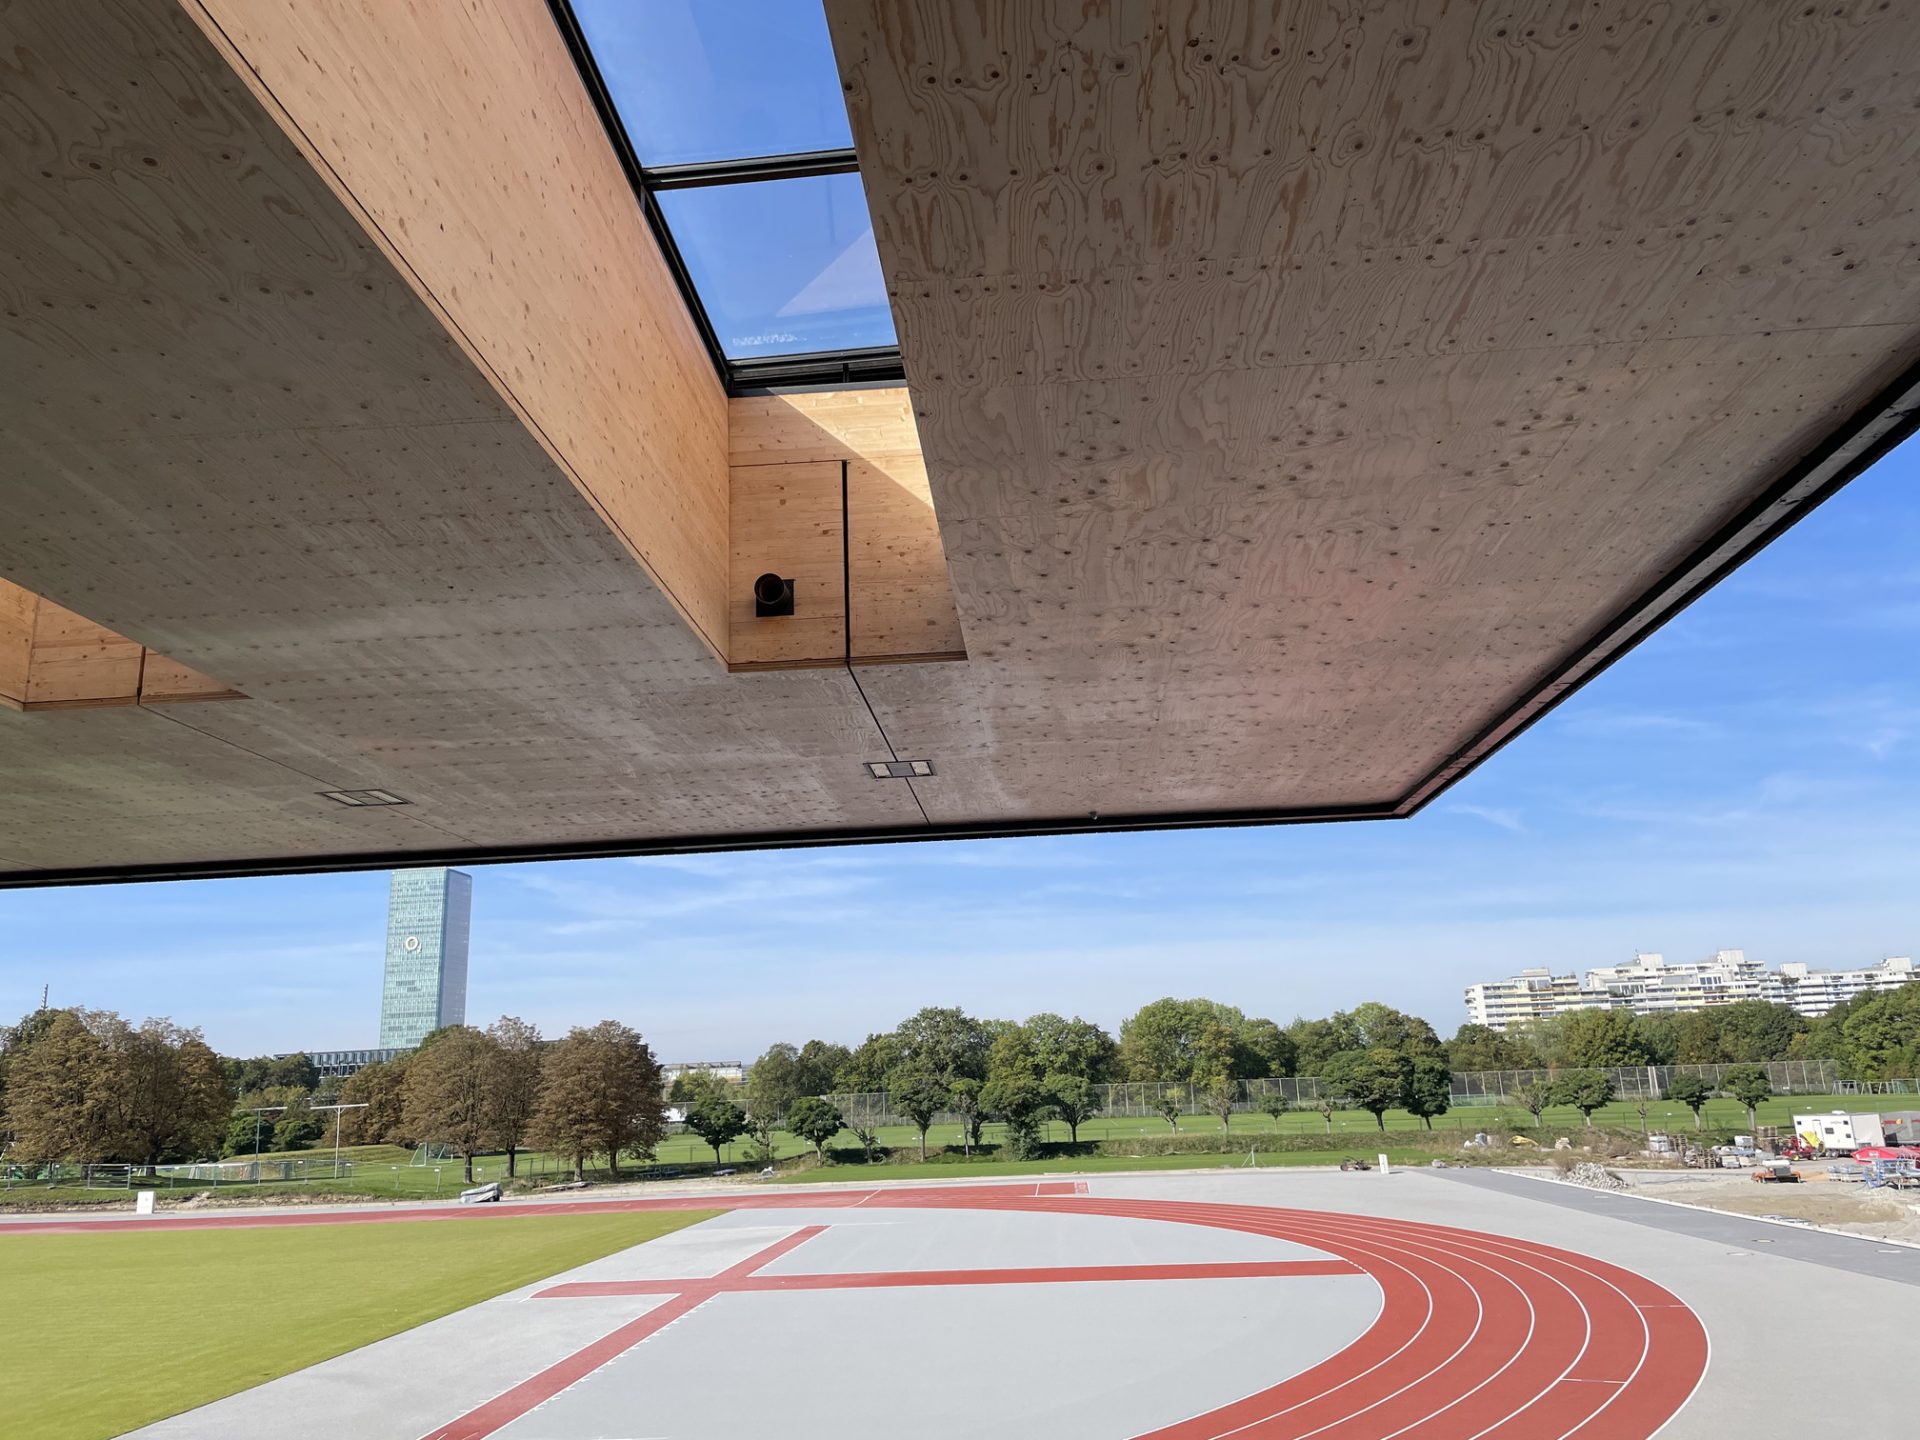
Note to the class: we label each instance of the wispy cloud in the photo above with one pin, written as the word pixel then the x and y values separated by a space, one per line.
pixel 1505 819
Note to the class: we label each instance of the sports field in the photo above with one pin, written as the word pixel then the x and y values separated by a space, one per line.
pixel 1181 1307
pixel 102 1333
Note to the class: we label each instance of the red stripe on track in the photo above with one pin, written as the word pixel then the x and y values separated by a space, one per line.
pixel 911 1279
pixel 535 1391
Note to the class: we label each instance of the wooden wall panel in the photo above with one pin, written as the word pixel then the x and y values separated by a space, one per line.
pixel 18 607
pixel 54 659
pixel 786 519
pixel 464 135
pixel 902 600
pixel 821 425
pixel 899 595
pixel 79 662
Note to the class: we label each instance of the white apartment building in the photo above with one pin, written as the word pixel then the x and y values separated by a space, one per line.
pixel 732 1071
pixel 1650 984
pixel 1814 992
pixel 1533 994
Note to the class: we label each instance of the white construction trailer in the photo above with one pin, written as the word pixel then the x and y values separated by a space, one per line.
pixel 1837 1132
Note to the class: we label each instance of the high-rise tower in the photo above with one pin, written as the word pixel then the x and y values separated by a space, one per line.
pixel 426 978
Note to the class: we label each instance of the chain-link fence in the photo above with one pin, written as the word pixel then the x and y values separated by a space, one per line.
pixel 201 1176
pixel 1136 1098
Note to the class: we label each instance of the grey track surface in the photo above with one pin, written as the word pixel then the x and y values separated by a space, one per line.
pixel 1857 1254
pixel 1090 1361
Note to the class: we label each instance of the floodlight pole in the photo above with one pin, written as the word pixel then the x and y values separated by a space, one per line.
pixel 337 1110
pixel 257 1111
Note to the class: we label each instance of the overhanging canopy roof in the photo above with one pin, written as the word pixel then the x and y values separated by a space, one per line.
pixel 1295 409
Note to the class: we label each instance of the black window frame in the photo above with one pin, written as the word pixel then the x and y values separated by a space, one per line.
pixel 844 369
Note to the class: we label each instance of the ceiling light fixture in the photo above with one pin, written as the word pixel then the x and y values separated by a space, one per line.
pixel 365 797
pixel 899 769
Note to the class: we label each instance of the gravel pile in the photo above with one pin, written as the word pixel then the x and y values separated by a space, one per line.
pixel 1594 1177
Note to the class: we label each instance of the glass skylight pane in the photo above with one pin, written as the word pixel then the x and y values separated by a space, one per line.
pixel 718 79
pixel 784 267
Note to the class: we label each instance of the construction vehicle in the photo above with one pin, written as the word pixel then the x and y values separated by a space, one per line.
pixel 1776 1171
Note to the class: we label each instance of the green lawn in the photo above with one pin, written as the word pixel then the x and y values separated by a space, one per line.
pixel 386 1171
pixel 1091 1164
pixel 103 1333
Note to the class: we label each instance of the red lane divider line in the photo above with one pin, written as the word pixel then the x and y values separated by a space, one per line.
pixel 1662 1378
pixel 905 1279
pixel 536 1390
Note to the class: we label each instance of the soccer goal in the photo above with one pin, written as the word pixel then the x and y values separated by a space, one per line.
pixel 430 1154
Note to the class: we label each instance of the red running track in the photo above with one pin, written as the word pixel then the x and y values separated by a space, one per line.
pixel 1479 1337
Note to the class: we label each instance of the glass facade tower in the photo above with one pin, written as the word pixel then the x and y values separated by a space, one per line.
pixel 426 979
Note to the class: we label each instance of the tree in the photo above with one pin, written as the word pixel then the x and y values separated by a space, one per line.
pixel 946 1043
pixel 1315 1042
pixel 1585 1090
pixel 1163 1041
pixel 1429 1088
pixel 57 1098
pixel 173 1100
pixel 718 1121
pixel 1594 1038
pixel 963 1098
pixel 1223 1092
pixel 1214 1055
pixel 818 1065
pixel 300 1126
pixel 1273 1105
pixel 514 1088
pixel 690 1087
pixel 1326 1107
pixel 1070 1047
pixel 15 1041
pixel 1019 1103
pixel 382 1088
pixel 920 1096
pixel 1070 1096
pixel 600 1092
pixel 1879 1035
pixel 1757 1029
pixel 773 1083
pixel 1169 1107
pixel 865 1070
pixel 449 1097
pixel 1269 1047
pixel 1381 1027
pixel 1749 1085
pixel 1533 1097
pixel 1370 1080
pixel 815 1121
pixel 1481 1047
pixel 1691 1091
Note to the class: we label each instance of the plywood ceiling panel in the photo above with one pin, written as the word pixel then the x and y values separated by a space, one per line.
pixel 1305 397
pixel 1302 387
pixel 622 395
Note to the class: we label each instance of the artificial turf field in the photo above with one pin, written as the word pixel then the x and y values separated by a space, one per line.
pixel 103 1333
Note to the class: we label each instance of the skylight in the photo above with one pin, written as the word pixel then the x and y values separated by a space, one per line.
pixel 731 123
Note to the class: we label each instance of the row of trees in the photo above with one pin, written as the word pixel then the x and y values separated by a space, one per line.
pixel 86 1086
pixel 90 1086
pixel 1872 1037
pixel 597 1091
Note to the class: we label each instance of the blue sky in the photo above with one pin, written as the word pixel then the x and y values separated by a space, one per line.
pixel 1746 778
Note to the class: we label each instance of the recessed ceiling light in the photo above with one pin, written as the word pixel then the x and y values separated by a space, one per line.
pixel 899 769
pixel 365 797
